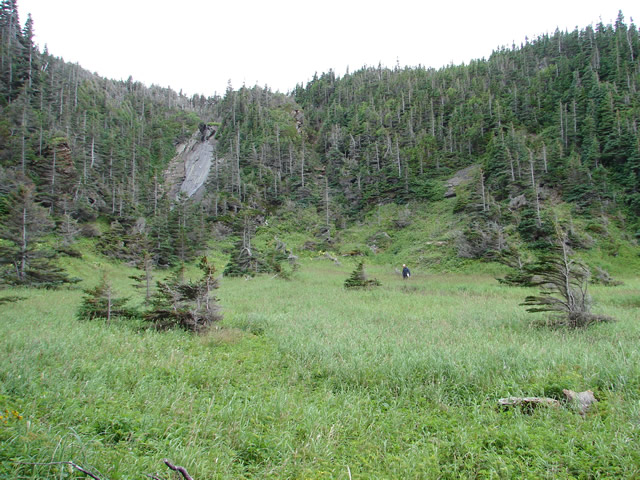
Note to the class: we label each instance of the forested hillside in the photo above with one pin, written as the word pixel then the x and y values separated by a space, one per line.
pixel 552 120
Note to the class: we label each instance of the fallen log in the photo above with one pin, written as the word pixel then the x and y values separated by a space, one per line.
pixel 527 403
pixel 582 401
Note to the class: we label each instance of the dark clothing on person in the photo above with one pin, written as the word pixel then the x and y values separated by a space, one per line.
pixel 405 272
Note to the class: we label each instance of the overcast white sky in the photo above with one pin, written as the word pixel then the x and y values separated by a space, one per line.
pixel 199 45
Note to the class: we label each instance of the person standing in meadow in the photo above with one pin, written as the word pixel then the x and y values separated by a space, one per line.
pixel 406 273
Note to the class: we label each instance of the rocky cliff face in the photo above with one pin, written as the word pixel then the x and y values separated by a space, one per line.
pixel 189 169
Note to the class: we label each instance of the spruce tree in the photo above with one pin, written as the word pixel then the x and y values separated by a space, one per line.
pixel 115 242
pixel 186 304
pixel 24 257
pixel 358 279
pixel 520 274
pixel 244 260
pixel 143 280
pixel 69 230
pixel 101 302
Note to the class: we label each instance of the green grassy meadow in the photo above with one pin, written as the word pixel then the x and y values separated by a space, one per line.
pixel 304 379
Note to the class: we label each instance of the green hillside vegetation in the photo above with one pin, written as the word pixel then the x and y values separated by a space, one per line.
pixel 550 122
pixel 470 174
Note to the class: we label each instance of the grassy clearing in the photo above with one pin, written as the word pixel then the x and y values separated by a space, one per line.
pixel 307 380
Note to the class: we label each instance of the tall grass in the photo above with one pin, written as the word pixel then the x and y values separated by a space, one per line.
pixel 305 379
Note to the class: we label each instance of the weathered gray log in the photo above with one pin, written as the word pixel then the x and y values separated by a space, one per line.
pixel 582 400
pixel 331 257
pixel 527 403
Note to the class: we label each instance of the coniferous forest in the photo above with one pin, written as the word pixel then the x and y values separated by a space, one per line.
pixel 524 164
pixel 554 119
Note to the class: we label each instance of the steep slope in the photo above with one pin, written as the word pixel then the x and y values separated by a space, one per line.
pixel 551 123
pixel 188 171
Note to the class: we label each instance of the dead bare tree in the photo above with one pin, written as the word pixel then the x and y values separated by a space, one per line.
pixel 181 470
pixel 564 282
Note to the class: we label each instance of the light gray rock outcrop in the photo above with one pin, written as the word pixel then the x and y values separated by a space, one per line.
pixel 461 176
pixel 189 169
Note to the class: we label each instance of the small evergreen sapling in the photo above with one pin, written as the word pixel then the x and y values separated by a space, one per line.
pixel 69 230
pixel 242 262
pixel 277 255
pixel 358 279
pixel 247 261
pixel 186 304
pixel 520 274
pixel 114 242
pixel 101 302
pixel 143 280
